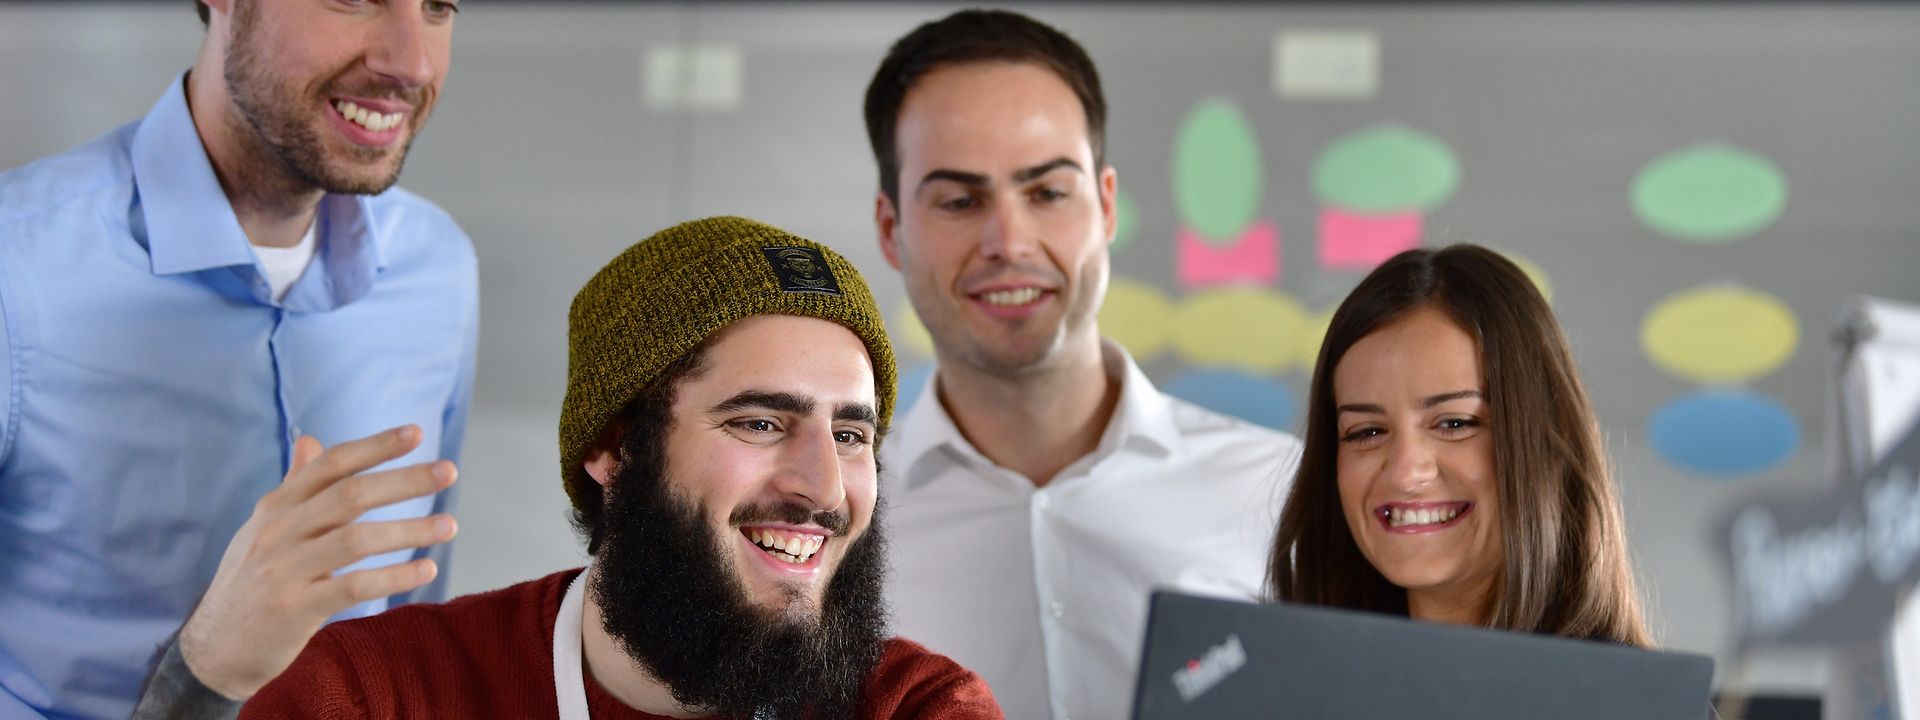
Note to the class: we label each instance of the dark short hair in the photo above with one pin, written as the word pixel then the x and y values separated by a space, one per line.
pixel 201 8
pixel 972 36
pixel 637 435
pixel 1567 570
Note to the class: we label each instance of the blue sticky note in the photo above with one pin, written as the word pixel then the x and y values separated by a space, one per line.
pixel 1256 399
pixel 1726 433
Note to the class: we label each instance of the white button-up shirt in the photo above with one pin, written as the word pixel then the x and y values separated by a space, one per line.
pixel 1043 590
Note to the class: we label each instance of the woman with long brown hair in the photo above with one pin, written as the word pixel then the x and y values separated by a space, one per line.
pixel 1453 470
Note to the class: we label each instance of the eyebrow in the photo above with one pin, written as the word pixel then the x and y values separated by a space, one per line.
pixel 793 403
pixel 1044 168
pixel 765 400
pixel 964 178
pixel 1433 400
pixel 857 412
pixel 1428 402
pixel 973 179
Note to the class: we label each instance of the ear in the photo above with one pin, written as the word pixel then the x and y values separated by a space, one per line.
pixel 1109 200
pixel 886 220
pixel 218 12
pixel 600 465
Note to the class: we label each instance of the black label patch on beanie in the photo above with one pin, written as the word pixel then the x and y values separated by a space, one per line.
pixel 801 269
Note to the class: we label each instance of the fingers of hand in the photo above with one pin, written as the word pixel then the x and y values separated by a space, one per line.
pixel 305 449
pixel 352 543
pixel 345 591
pixel 352 458
pixel 343 501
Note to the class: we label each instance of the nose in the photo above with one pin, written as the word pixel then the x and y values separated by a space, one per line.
pixel 1411 462
pixel 810 471
pixel 1010 234
pixel 401 48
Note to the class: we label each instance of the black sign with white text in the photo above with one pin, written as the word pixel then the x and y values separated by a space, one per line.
pixel 1824 570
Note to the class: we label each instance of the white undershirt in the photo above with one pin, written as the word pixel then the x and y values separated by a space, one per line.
pixel 569 681
pixel 285 265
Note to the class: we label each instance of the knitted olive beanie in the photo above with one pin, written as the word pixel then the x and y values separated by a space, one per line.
pixel 668 293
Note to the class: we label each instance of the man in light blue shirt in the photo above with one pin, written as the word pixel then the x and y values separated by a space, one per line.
pixel 164 340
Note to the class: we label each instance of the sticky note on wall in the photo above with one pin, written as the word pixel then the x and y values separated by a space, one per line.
pixel 1720 334
pixel 1351 241
pixel 1257 399
pixel 1253 259
pixel 1254 329
pixel 1326 64
pixel 706 78
pixel 1724 433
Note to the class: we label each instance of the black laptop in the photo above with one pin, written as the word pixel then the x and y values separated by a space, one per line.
pixel 1210 658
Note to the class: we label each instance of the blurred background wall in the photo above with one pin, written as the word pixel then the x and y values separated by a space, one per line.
pixel 1700 186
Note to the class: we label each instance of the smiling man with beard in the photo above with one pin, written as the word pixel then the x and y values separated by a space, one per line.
pixel 728 384
pixel 190 307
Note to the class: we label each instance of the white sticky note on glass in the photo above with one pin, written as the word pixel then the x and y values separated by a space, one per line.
pixel 1888 366
pixel 1326 64
pixel 706 78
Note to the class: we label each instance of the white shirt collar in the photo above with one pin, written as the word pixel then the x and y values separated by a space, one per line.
pixel 1141 420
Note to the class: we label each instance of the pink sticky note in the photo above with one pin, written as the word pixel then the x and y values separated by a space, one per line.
pixel 1253 259
pixel 1351 241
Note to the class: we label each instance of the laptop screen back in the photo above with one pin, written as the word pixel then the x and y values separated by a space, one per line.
pixel 1209 658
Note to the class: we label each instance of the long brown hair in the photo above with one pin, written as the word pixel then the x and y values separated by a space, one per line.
pixel 1566 570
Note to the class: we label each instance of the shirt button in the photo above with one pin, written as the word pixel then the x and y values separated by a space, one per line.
pixel 1056 609
pixel 1041 501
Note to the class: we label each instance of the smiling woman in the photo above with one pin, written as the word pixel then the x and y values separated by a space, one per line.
pixel 1452 469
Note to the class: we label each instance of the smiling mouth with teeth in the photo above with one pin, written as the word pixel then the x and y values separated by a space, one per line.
pixel 377 122
pixel 1396 516
pixel 794 547
pixel 1011 298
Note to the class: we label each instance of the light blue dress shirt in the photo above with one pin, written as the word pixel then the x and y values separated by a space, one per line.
pixel 151 389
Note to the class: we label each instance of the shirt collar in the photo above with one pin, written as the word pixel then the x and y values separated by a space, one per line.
pixel 1142 419
pixel 190 225
pixel 351 248
pixel 926 428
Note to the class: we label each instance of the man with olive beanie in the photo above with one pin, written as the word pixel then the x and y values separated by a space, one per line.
pixel 727 386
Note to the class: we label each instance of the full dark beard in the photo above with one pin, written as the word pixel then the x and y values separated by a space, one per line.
pixel 276 114
pixel 668 593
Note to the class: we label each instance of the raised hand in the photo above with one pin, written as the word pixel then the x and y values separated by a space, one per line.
pixel 276 584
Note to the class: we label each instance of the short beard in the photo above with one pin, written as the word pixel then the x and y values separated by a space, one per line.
pixel 276 114
pixel 959 346
pixel 670 596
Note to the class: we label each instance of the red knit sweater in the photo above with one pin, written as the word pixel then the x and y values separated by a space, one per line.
pixel 491 655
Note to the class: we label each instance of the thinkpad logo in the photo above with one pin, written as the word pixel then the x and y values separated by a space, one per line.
pixel 801 269
pixel 1201 674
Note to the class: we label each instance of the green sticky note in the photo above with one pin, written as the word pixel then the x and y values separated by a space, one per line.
pixel 1709 193
pixel 1386 169
pixel 1217 179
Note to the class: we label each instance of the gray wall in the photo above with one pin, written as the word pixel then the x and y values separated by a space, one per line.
pixel 548 151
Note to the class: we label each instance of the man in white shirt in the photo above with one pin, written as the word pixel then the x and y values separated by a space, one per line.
pixel 1042 487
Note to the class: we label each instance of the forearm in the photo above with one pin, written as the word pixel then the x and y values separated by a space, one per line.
pixel 173 692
